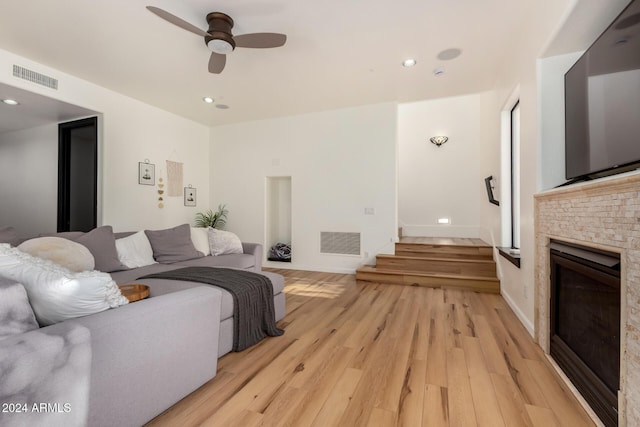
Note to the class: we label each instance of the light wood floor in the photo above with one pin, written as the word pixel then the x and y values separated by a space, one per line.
pixel 357 354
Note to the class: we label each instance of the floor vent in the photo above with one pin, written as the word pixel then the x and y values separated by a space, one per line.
pixel 34 77
pixel 339 243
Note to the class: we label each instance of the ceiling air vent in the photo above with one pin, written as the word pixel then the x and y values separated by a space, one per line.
pixel 339 243
pixel 34 77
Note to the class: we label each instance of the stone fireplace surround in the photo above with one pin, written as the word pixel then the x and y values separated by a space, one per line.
pixel 603 214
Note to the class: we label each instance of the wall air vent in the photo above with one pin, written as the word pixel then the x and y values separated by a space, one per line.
pixel 339 243
pixel 34 77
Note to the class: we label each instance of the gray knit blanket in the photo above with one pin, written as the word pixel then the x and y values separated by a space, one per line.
pixel 253 310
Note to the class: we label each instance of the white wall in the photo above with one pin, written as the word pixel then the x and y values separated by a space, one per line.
pixel 520 71
pixel 29 180
pixel 446 181
pixel 551 77
pixel 340 163
pixel 278 211
pixel 130 132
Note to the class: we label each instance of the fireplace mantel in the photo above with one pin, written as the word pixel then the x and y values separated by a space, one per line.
pixel 605 215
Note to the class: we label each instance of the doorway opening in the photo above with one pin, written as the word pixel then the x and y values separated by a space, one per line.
pixel 78 175
pixel 278 219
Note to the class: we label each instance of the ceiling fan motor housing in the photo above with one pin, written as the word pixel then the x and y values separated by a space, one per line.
pixel 219 38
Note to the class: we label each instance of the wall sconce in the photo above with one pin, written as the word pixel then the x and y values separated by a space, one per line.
pixel 439 140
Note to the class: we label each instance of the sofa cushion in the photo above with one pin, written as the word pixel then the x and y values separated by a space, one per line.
pixel 224 242
pixel 9 235
pixel 49 365
pixel 102 244
pixel 16 314
pixel 200 239
pixel 242 261
pixel 135 250
pixel 55 293
pixel 67 253
pixel 130 276
pixel 173 244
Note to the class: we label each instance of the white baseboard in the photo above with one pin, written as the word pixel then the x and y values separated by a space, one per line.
pixel 519 314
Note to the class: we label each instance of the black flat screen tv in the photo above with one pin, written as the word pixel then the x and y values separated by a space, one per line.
pixel 602 102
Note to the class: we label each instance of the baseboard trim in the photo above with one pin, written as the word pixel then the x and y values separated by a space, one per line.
pixel 528 325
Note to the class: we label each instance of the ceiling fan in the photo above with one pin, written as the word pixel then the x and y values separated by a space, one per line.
pixel 219 38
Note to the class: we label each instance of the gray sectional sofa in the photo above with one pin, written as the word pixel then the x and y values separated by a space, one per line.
pixel 124 366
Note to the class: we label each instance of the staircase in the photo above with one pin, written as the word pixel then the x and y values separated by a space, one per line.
pixel 465 264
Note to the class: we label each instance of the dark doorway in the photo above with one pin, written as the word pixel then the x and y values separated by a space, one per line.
pixel 78 175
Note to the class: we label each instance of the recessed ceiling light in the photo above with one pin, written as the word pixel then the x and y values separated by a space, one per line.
pixel 208 99
pixel 410 62
pixel 10 101
pixel 449 54
pixel 438 72
pixel 222 106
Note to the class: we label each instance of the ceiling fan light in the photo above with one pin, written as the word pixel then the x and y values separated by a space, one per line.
pixel 220 46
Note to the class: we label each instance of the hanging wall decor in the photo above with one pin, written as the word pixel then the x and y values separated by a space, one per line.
pixel 146 173
pixel 174 178
pixel 190 196
pixel 160 193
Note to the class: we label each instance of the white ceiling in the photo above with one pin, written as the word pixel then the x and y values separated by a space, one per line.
pixel 35 110
pixel 339 53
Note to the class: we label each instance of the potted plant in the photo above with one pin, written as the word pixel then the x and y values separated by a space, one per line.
pixel 212 219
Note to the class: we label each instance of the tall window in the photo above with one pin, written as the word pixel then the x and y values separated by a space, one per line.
pixel 510 179
pixel 515 175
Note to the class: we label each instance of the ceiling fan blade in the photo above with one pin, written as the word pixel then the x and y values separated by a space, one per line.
pixel 177 21
pixel 217 62
pixel 260 40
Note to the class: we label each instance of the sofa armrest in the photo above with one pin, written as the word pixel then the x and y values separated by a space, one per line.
pixel 254 249
pixel 149 354
pixel 45 377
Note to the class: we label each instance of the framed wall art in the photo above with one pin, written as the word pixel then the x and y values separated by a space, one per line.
pixel 190 196
pixel 146 173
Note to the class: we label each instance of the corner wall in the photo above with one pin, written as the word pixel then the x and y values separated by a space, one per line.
pixel 29 180
pixel 520 70
pixel 130 132
pixel 340 162
pixel 446 181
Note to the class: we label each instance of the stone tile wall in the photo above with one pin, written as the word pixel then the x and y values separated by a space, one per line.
pixel 606 215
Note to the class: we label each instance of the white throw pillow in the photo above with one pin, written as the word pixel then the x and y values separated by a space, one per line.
pixel 135 250
pixel 200 239
pixel 67 253
pixel 56 293
pixel 224 242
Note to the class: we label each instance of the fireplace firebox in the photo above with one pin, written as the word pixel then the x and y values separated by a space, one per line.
pixel 585 323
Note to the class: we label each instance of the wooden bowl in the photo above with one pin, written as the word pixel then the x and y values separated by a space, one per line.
pixel 134 291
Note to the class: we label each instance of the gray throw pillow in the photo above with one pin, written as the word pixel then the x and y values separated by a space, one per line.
pixel 173 244
pixel 9 235
pixel 101 242
pixel 16 314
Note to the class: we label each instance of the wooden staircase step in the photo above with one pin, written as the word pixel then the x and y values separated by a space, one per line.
pixel 441 280
pixel 444 251
pixel 436 265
